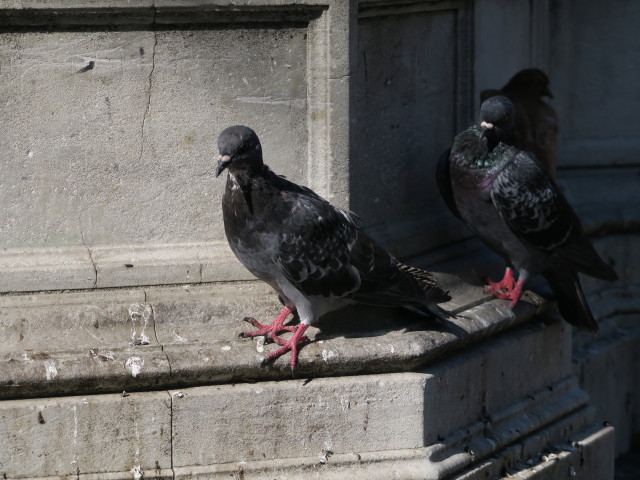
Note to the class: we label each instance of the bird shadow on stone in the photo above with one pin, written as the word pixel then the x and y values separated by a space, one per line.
pixel 362 321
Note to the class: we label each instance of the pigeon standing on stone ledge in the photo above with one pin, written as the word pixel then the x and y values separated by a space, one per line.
pixel 507 199
pixel 536 122
pixel 310 252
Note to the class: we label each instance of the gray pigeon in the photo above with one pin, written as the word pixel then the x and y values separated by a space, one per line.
pixel 506 198
pixel 310 252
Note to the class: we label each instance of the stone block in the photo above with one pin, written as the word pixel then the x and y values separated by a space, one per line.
pixel 545 345
pixel 607 367
pixel 97 185
pixel 92 434
pixel 603 67
pixel 297 418
pixel 395 84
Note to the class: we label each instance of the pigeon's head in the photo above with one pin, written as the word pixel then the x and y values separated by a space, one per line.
pixel 497 118
pixel 239 149
pixel 532 82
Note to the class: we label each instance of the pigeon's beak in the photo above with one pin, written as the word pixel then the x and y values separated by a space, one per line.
pixel 486 126
pixel 547 93
pixel 223 162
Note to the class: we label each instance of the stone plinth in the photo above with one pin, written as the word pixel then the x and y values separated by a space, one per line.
pixel 378 393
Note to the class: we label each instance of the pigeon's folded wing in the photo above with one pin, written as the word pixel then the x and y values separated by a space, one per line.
pixel 316 248
pixel 533 207
pixel 323 252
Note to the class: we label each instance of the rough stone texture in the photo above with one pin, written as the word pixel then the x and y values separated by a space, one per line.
pixel 138 128
pixel 395 86
pixel 142 109
pixel 92 434
pixel 436 421
pixel 598 82
pixel 607 367
pixel 189 335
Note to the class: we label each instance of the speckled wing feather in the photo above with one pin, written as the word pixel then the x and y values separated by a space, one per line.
pixel 427 282
pixel 316 248
pixel 530 203
pixel 324 253
pixel 533 207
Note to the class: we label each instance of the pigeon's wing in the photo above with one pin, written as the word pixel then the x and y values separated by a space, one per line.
pixel 323 252
pixel 533 207
pixel 443 178
pixel 316 245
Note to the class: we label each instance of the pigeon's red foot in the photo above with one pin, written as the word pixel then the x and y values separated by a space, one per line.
pixel 290 345
pixel 270 330
pixel 513 294
pixel 503 287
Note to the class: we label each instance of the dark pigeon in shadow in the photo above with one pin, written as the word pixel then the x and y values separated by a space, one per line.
pixel 506 198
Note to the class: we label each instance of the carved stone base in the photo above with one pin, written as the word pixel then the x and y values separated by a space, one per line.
pixel 471 398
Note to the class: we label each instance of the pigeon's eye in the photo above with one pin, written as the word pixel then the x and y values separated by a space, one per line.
pixel 506 118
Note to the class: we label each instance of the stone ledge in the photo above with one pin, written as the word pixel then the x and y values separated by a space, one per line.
pixel 190 336
pixel 148 13
pixel 94 341
pixel 107 266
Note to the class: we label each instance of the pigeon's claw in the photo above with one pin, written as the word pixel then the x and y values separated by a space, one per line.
pixel 513 294
pixel 281 341
pixel 289 345
pixel 269 330
pixel 503 287
pixel 507 288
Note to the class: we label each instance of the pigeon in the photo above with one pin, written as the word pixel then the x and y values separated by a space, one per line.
pixel 536 122
pixel 514 205
pixel 313 254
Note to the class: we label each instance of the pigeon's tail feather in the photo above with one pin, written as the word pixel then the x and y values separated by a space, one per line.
pixel 427 282
pixel 409 287
pixel 581 255
pixel 570 297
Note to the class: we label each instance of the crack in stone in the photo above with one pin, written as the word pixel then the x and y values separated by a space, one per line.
pixel 150 84
pixel 93 262
pixel 155 334
pixel 173 472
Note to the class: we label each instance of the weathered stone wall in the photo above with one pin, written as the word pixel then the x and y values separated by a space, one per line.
pixel 110 114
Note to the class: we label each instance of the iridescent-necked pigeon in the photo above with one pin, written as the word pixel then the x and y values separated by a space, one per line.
pixel 505 197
